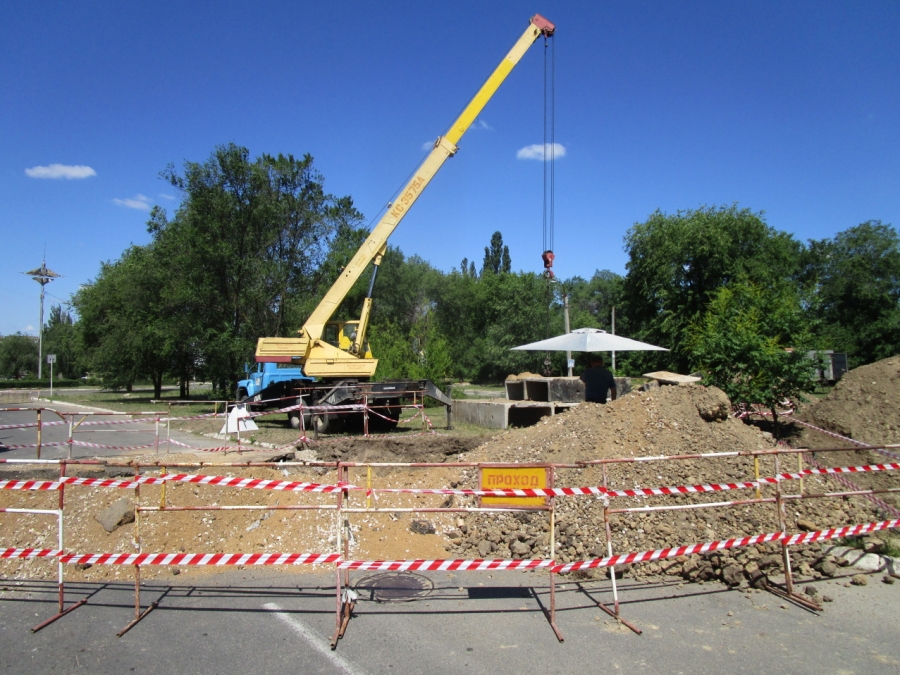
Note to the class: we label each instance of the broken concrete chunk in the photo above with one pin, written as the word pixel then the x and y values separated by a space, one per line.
pixel 421 527
pixel 119 513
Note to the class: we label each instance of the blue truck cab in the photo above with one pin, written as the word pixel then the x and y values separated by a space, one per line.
pixel 269 380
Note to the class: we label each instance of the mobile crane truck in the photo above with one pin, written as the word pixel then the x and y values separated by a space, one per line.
pixel 336 352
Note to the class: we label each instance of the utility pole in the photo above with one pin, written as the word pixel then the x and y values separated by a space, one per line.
pixel 43 276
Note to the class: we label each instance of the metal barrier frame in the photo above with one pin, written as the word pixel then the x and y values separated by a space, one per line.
pixel 345 597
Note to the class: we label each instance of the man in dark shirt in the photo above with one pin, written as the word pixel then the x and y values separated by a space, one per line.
pixel 598 381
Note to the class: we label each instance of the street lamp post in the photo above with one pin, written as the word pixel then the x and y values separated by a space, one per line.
pixel 43 276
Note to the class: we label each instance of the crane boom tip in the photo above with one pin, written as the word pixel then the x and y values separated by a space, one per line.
pixel 546 27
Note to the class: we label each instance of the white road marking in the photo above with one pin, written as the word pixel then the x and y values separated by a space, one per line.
pixel 314 641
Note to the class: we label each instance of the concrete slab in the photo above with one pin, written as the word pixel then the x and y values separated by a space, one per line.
pixel 501 414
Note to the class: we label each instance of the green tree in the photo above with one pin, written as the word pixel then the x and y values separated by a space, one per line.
pixel 60 338
pixel 677 263
pixel 591 302
pixel 421 352
pixel 483 318
pixel 496 256
pixel 855 281
pixel 123 324
pixel 18 356
pixel 247 243
pixel 752 343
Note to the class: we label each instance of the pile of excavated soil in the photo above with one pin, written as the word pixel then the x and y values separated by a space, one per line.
pixel 665 421
pixel 864 405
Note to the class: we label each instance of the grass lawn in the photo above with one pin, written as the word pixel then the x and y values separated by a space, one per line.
pixel 272 428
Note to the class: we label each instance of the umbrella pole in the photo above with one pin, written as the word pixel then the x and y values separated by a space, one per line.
pixel 566 319
pixel 614 332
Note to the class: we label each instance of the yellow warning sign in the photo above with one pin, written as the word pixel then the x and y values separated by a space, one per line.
pixel 513 477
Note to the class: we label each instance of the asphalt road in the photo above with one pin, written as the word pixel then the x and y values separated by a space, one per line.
pixel 269 621
pixel 114 435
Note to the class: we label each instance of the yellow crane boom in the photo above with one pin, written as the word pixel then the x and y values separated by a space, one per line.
pixel 328 358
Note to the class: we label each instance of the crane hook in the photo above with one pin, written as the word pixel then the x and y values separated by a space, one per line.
pixel 548 258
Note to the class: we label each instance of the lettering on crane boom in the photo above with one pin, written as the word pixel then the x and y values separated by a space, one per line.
pixel 494 477
pixel 414 188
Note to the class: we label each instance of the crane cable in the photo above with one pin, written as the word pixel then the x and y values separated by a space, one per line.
pixel 549 167
pixel 549 120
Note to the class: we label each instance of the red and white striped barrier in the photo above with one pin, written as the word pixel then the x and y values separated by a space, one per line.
pixel 840 532
pixel 100 446
pixel 295 486
pixel 636 492
pixel 494 492
pixel 664 553
pixel 880 451
pixel 442 565
pixel 68 480
pixel 255 483
pixel 883 505
pixel 33 445
pixel 29 425
pixel 213 559
pixel 29 553
pixel 224 448
pixel 221 481
pixel 831 471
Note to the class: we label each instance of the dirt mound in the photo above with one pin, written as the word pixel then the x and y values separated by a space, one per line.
pixel 673 420
pixel 663 421
pixel 864 405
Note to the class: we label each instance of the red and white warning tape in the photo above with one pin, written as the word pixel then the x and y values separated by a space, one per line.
pixel 215 559
pixel 221 481
pixel 442 565
pixel 224 481
pixel 295 486
pixel 664 553
pixel 880 503
pixel 636 492
pixel 221 559
pixel 29 553
pixel 880 451
pixel 85 444
pixel 32 445
pixel 29 425
pixel 224 448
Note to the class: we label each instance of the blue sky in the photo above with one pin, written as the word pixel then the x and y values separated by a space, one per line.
pixel 788 108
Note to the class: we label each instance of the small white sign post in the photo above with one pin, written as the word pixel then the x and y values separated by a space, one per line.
pixel 51 359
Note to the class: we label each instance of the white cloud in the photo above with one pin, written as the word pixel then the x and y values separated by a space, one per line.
pixel 542 152
pixel 165 196
pixel 60 171
pixel 29 327
pixel 481 125
pixel 139 202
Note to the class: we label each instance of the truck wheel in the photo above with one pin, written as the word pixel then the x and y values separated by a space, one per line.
pixel 322 422
pixel 242 394
pixel 294 416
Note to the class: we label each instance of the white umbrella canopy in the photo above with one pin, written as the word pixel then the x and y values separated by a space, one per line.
pixel 589 340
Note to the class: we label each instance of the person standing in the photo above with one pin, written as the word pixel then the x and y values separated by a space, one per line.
pixel 598 382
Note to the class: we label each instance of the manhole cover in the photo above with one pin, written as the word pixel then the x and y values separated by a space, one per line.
pixel 394 586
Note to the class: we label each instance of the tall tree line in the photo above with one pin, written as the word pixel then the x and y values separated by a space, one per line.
pixel 255 243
